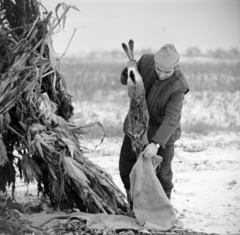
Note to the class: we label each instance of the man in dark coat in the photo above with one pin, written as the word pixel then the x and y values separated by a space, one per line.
pixel 165 88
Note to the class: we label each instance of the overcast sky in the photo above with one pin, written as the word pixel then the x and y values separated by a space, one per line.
pixel 105 24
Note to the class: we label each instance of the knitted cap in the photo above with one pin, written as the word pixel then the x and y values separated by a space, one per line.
pixel 167 58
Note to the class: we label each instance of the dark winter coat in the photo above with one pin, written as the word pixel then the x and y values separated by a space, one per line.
pixel 164 101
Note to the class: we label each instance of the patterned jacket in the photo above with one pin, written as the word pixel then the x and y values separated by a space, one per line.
pixel 164 101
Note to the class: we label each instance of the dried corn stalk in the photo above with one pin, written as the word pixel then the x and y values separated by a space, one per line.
pixel 34 115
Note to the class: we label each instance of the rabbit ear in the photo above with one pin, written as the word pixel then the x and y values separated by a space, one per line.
pixel 131 47
pixel 125 48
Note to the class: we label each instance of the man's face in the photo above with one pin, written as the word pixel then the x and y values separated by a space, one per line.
pixel 162 75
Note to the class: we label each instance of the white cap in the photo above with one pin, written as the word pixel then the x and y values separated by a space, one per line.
pixel 167 58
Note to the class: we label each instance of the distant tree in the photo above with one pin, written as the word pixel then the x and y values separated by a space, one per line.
pixel 116 53
pixel 234 52
pixel 193 51
pixel 145 51
pixel 218 53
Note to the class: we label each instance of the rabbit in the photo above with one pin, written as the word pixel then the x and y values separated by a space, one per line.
pixel 136 122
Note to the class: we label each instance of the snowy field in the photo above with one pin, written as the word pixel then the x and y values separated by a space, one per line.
pixel 206 195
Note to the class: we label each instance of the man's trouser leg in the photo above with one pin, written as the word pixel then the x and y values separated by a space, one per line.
pixel 165 173
pixel 126 162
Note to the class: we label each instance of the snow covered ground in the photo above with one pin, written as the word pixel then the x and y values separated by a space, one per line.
pixel 206 177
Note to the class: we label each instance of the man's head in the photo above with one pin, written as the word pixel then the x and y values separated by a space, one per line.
pixel 166 59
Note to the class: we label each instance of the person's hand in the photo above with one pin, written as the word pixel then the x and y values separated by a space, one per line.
pixel 150 151
pixel 132 63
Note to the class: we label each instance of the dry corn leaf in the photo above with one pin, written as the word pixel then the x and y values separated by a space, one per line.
pixel 62 17
pixel 46 107
pixel 71 145
pixel 36 127
pixel 53 56
pixel 49 137
pixel 43 142
pixel 52 172
pixel 59 120
pixel 39 148
pixel 65 8
pixel 3 153
pixel 76 129
pixel 73 169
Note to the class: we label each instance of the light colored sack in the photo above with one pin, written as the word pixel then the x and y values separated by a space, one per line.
pixel 151 206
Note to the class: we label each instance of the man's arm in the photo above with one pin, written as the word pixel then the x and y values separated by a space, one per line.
pixel 171 118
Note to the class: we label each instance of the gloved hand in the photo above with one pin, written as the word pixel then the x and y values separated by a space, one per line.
pixel 132 63
pixel 150 151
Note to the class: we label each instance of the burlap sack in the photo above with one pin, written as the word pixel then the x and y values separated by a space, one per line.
pixel 150 203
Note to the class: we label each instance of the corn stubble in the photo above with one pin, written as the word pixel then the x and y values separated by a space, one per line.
pixel 31 121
